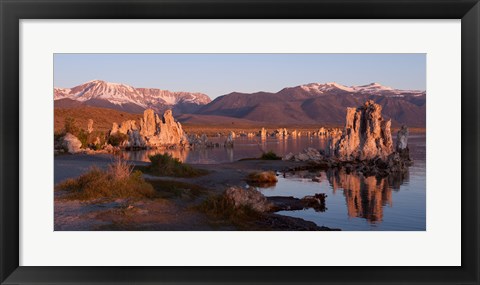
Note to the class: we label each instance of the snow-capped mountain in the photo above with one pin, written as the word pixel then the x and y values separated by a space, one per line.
pixel 124 97
pixel 369 89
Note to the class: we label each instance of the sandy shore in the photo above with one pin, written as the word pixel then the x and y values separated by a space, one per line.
pixel 220 176
pixel 175 213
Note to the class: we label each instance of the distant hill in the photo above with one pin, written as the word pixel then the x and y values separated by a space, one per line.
pixel 201 120
pixel 320 103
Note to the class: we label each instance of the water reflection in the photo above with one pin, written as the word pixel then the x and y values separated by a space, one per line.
pixel 354 202
pixel 244 147
pixel 142 155
pixel 365 196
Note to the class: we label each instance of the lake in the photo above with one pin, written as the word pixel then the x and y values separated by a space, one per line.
pixel 243 148
pixel 354 202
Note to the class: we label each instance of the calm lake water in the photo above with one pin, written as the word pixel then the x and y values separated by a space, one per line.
pixel 354 202
pixel 244 148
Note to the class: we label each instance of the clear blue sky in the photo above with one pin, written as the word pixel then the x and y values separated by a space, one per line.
pixel 219 74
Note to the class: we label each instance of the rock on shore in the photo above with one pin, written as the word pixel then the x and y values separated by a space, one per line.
pixel 248 197
pixel 71 143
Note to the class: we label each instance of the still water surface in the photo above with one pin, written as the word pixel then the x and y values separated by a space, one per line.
pixel 243 148
pixel 354 202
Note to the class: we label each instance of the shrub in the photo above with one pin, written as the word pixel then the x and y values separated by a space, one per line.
pixel 82 136
pixel 92 141
pixel 117 139
pixel 218 206
pixel 57 136
pixel 118 181
pixel 262 177
pixel 95 146
pixel 270 156
pixel 70 126
pixel 120 169
pixel 222 208
pixel 177 189
pixel 166 165
pixel 87 139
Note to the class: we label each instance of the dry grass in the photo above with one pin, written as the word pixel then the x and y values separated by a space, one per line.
pixel 117 139
pixel 270 156
pixel 223 210
pixel 262 177
pixel 118 181
pixel 174 189
pixel 120 169
pixel 103 118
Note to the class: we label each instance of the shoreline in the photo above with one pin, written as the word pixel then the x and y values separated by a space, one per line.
pixel 167 213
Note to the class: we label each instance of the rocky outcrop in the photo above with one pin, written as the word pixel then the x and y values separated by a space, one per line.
pixel 197 141
pixel 322 132
pixel 402 138
pixel 249 197
pixel 365 146
pixel 153 131
pixel 366 136
pixel 263 134
pixel 135 139
pixel 229 140
pixel 281 133
pixel 308 154
pixel 252 198
pixel 71 143
pixel 402 143
pixel 148 124
pixel 294 134
pixel 168 132
pixel 114 129
pixel 333 138
pixel 97 141
pixel 124 127
pixel 202 141
pixel 289 203
pixel 90 126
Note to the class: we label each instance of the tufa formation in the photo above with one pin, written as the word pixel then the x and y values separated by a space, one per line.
pixel 366 135
pixel 152 131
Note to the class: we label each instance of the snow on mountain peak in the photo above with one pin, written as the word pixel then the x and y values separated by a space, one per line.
pixel 119 94
pixel 324 87
pixel 374 88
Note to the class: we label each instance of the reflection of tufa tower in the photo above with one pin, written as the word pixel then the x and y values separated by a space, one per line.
pixel 365 196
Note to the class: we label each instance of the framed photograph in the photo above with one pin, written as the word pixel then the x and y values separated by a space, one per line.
pixel 239 142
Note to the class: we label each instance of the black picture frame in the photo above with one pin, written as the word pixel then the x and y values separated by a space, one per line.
pixel 14 10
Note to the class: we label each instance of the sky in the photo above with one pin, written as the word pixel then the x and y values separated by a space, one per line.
pixel 220 74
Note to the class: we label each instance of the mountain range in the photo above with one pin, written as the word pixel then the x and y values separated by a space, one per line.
pixel 99 93
pixel 314 103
